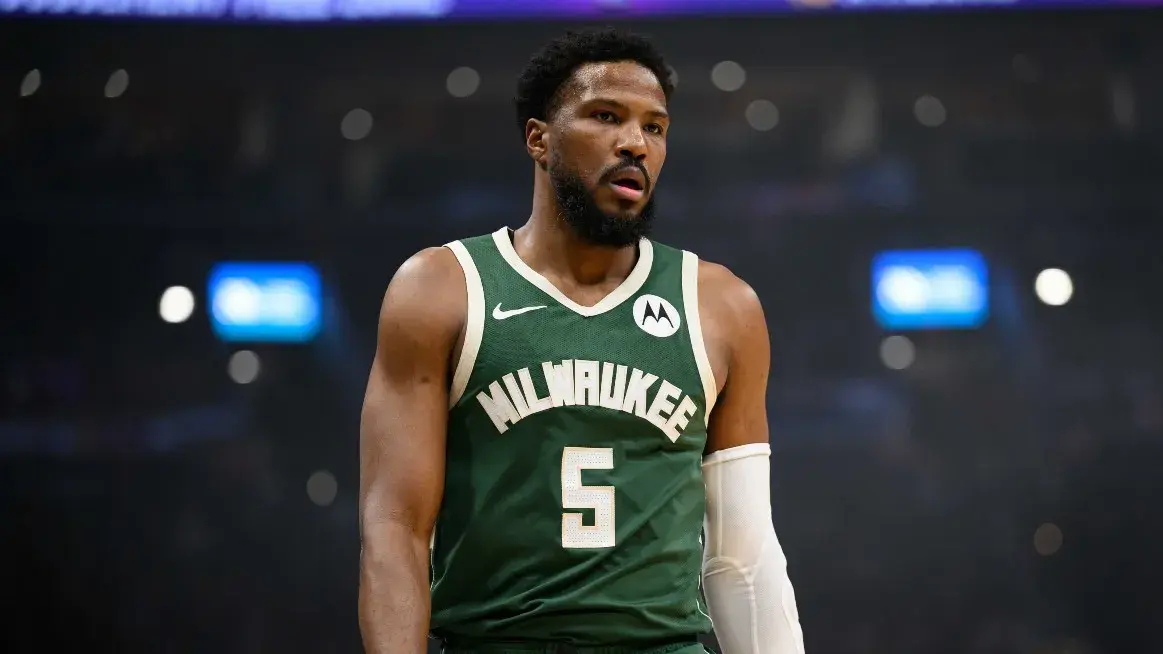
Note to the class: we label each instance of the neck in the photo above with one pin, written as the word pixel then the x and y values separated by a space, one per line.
pixel 548 244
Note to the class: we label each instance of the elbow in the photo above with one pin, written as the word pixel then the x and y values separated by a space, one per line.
pixel 752 602
pixel 384 541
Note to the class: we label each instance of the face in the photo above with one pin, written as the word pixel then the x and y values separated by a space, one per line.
pixel 604 149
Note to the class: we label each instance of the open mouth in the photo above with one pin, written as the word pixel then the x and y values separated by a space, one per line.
pixel 629 184
pixel 627 189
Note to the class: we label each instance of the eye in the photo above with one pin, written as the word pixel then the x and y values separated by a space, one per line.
pixel 654 128
pixel 606 116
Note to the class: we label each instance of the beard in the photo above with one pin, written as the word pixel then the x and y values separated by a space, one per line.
pixel 581 212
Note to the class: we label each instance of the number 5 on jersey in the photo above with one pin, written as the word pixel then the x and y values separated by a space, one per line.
pixel 575 534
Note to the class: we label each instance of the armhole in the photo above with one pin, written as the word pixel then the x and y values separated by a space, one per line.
pixel 474 323
pixel 690 300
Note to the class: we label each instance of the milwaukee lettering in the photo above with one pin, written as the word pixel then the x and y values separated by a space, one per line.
pixel 577 382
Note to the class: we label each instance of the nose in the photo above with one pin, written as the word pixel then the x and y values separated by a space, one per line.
pixel 632 143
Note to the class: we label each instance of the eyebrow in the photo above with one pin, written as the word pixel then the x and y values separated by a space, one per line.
pixel 656 113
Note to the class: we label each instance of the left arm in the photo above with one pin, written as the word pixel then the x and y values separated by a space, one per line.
pixel 745 576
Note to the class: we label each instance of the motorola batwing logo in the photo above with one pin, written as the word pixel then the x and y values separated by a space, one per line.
pixel 656 316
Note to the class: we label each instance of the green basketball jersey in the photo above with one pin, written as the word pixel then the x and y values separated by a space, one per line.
pixel 574 498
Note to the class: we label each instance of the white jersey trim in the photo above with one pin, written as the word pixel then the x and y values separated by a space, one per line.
pixel 625 290
pixel 690 300
pixel 474 330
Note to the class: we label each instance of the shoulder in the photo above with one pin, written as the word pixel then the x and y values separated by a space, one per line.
pixel 729 298
pixel 733 325
pixel 427 294
pixel 430 266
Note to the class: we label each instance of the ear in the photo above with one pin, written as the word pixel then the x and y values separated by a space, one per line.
pixel 537 141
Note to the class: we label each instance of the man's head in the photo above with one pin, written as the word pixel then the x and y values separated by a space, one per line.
pixel 592 110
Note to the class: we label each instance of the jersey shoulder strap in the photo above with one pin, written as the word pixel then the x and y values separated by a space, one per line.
pixel 470 251
pixel 677 272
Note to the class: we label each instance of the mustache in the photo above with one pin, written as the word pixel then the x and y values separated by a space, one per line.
pixel 628 164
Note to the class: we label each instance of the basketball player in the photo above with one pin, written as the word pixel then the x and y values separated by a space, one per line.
pixel 553 410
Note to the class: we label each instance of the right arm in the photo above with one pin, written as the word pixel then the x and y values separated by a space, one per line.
pixel 402 439
pixel 745 579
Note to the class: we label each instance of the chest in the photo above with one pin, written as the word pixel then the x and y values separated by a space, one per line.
pixel 539 359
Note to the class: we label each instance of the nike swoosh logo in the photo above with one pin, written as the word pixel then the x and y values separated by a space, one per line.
pixel 499 314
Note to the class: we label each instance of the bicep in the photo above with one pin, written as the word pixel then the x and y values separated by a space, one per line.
pixel 405 410
pixel 401 448
pixel 740 413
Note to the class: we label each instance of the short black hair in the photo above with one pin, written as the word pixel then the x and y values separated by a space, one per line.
pixel 540 85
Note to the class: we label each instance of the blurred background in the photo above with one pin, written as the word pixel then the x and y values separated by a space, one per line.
pixel 952 218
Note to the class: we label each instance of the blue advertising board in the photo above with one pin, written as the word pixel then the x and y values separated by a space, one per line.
pixel 930 289
pixel 265 302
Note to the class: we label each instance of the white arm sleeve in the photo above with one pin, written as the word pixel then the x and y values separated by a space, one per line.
pixel 745 577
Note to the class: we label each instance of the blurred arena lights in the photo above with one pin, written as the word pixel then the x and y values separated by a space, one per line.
pixel 176 305
pixel 728 76
pixel 356 125
pixel 491 10
pixel 1047 539
pixel 243 367
pixel 463 82
pixel 1123 101
pixel 929 111
pixel 1054 287
pixel 118 83
pixel 30 83
pixel 897 352
pixel 322 487
pixel 265 302
pixel 930 289
pixel 762 115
